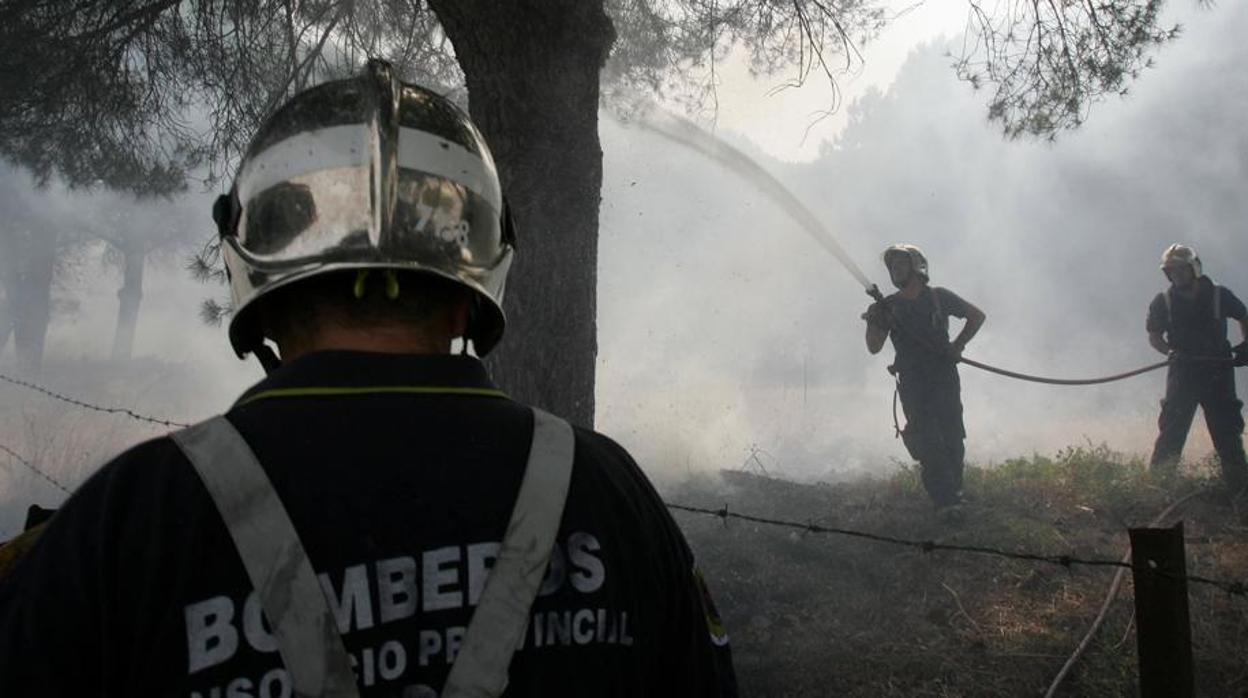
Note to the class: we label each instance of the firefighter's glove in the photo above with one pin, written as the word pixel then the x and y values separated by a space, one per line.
pixel 1177 356
pixel 1241 353
pixel 878 315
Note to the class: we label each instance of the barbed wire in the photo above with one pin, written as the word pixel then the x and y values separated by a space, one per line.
pixel 17 457
pixel 126 411
pixel 1233 588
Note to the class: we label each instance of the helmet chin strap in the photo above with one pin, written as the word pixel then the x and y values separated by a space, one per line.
pixel 267 357
pixel 270 362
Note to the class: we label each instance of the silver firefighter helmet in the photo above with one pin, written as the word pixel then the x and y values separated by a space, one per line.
pixel 918 262
pixel 1178 255
pixel 366 173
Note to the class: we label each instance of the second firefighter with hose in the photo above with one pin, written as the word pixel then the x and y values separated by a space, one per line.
pixel 1187 321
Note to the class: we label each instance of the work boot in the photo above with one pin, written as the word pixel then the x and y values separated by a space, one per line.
pixel 1234 481
pixel 1239 506
pixel 952 515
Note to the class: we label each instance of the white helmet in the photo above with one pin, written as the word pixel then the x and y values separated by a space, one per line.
pixel 918 262
pixel 1178 255
pixel 366 173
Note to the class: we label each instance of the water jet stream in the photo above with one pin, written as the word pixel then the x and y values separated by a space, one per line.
pixel 684 132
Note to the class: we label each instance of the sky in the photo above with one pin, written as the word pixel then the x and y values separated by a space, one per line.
pixel 726 335
pixel 788 122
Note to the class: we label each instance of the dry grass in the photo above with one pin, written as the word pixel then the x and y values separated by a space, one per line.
pixel 819 615
pixel 69 443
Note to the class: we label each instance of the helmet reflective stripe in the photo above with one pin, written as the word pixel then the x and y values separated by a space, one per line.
pixel 427 153
pixel 303 154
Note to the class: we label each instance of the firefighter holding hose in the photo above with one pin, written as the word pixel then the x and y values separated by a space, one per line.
pixel 916 317
pixel 1187 321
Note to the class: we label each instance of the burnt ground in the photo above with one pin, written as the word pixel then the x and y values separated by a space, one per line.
pixel 819 614
pixel 825 615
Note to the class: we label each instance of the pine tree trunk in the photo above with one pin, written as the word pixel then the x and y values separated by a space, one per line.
pixel 30 294
pixel 6 323
pixel 532 69
pixel 129 296
pixel 7 269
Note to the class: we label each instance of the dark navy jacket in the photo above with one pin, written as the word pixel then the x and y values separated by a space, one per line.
pixel 399 472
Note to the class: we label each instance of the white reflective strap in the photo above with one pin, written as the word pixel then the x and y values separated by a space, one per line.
pixel 276 562
pixel 502 615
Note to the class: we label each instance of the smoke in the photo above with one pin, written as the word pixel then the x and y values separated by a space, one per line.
pixel 718 322
pixel 182 369
pixel 726 328
pixel 723 328
pixel 686 133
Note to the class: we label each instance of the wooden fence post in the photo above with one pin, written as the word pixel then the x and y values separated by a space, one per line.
pixel 1164 633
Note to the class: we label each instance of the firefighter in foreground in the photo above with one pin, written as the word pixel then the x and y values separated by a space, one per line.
pixel 917 319
pixel 1188 322
pixel 374 517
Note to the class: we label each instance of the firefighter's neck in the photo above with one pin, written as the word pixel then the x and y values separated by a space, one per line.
pixel 913 287
pixel 432 337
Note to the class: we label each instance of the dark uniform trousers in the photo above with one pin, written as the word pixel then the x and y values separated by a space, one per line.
pixel 934 433
pixel 1211 387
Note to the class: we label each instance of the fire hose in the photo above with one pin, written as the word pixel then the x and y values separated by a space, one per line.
pixel 875 293
pixel 688 134
pixel 1109 600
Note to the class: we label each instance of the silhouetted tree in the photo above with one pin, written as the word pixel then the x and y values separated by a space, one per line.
pixel 136 230
pixel 1050 61
pixel 117 92
pixel 29 242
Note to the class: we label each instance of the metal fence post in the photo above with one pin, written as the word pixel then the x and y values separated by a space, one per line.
pixel 1164 633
